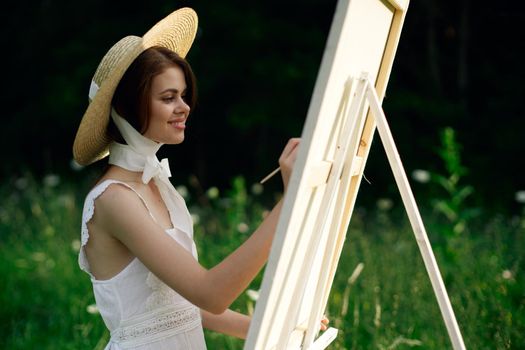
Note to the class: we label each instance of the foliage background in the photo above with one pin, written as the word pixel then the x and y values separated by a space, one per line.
pixel 381 297
pixel 459 64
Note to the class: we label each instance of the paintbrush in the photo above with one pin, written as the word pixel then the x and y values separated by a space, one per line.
pixel 270 175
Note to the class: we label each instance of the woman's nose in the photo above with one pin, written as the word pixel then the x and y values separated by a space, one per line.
pixel 182 106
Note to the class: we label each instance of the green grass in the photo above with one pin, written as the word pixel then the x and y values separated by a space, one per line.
pixel 45 299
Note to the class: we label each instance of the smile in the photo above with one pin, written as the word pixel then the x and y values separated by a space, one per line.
pixel 178 125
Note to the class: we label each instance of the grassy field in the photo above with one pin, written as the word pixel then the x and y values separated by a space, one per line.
pixel 381 298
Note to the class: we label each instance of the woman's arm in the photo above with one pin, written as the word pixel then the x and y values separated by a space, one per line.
pixel 121 213
pixel 236 324
pixel 229 322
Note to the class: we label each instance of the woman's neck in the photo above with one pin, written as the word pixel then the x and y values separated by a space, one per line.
pixel 116 172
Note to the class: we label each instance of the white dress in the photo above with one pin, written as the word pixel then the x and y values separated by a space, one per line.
pixel 140 311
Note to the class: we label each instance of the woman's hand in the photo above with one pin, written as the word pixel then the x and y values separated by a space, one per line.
pixel 324 323
pixel 287 160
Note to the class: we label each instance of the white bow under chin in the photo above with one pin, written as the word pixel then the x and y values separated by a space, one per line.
pixel 154 168
pixel 140 155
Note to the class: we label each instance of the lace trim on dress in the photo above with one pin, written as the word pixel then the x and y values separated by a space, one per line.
pixel 87 215
pixel 156 325
pixel 161 294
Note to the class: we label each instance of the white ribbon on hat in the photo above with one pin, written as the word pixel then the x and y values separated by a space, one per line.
pixel 140 155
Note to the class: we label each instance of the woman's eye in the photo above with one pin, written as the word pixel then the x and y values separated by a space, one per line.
pixel 168 99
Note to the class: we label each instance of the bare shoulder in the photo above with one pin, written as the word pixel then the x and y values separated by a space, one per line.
pixel 116 194
pixel 115 190
pixel 119 203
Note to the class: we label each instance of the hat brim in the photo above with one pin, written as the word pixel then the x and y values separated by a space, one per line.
pixel 175 32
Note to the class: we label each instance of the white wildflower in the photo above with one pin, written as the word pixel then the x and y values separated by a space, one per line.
pixel 421 176
pixel 520 196
pixel 183 191
pixel 242 227
pixel 252 294
pixel 92 309
pixel 212 193
pixel 257 188
pixel 51 180
pixel 196 218
pixel 75 166
pixel 384 204
pixel 506 274
pixel 75 245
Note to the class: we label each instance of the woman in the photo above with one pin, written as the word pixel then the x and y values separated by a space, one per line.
pixel 137 237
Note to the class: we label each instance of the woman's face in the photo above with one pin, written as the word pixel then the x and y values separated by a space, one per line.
pixel 168 111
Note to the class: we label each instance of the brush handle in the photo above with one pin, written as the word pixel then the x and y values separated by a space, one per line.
pixel 270 175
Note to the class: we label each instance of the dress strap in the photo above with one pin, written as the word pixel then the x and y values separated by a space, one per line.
pixel 89 211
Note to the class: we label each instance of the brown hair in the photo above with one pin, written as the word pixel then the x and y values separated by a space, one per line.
pixel 132 96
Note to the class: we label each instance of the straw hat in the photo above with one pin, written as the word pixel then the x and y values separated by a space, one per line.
pixel 175 32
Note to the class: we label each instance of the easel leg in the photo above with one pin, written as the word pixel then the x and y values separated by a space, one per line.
pixel 415 219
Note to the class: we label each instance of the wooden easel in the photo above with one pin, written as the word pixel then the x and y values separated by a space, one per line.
pixel 413 214
pixel 360 95
pixel 365 93
pixel 317 208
